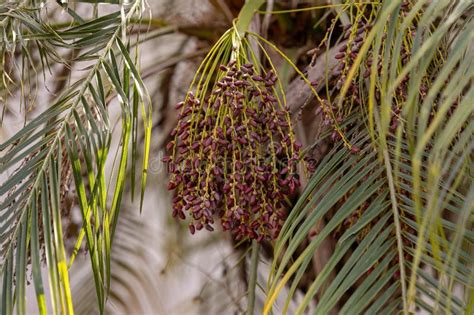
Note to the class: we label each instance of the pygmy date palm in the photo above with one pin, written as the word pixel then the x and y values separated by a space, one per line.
pixel 371 214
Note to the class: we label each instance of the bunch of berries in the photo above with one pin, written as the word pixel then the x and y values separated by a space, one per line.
pixel 234 156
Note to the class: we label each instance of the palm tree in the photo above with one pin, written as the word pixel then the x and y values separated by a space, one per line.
pixel 383 219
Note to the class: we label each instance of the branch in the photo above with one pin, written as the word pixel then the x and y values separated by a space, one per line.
pixel 299 93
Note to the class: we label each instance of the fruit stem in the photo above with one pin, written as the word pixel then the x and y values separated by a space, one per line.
pixel 242 23
pixel 246 15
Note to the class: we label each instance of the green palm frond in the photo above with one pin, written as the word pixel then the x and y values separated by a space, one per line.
pixel 401 210
pixel 71 138
pixel 366 248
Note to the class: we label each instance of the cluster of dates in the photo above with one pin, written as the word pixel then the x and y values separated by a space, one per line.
pixel 348 53
pixel 234 156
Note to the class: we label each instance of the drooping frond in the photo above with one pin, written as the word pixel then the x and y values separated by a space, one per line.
pixel 348 199
pixel 400 210
pixel 70 139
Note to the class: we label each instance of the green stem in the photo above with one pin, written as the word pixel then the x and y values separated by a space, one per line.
pixel 241 25
pixel 253 277
pixel 246 15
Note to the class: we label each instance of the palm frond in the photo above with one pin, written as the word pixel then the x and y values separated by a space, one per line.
pixel 401 209
pixel 72 137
